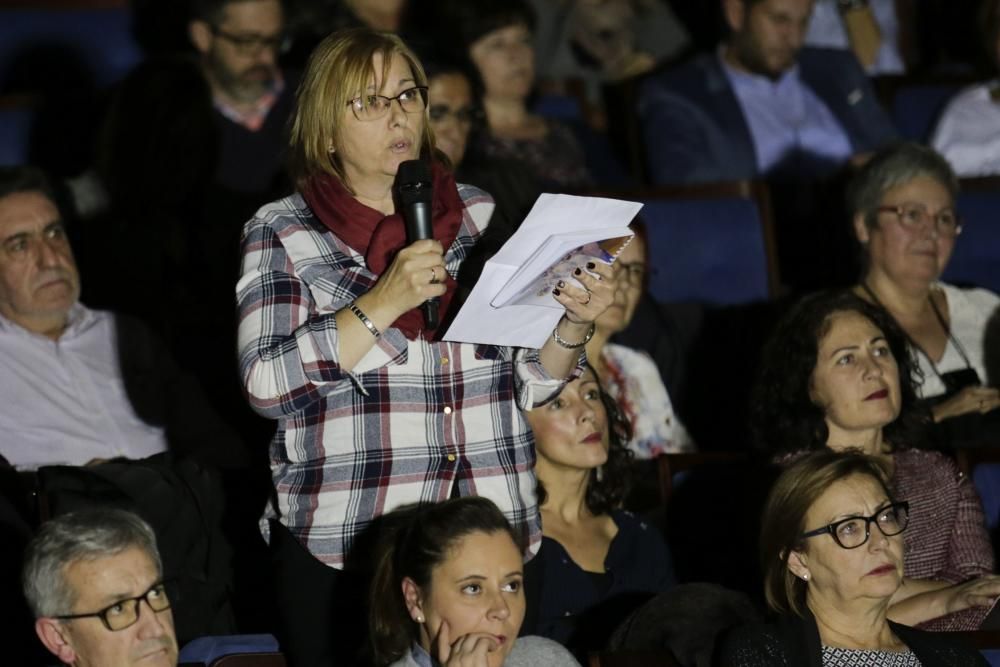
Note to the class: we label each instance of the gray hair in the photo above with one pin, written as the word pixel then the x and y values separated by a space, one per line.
pixel 84 535
pixel 894 165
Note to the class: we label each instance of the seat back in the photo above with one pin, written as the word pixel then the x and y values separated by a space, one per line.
pixel 17 117
pixel 232 651
pixel 976 259
pixel 916 107
pixel 96 40
pixel 711 244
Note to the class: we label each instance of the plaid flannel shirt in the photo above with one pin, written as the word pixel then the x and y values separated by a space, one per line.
pixel 408 423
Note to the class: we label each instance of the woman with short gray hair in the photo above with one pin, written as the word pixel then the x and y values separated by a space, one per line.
pixel 903 213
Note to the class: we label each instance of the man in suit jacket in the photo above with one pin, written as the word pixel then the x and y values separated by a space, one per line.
pixel 762 105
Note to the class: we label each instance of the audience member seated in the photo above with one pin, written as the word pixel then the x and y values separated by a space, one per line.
pixel 93 580
pixel 762 105
pixel 449 590
pixel 496 36
pixel 80 385
pixel 837 373
pixel 597 41
pixel 834 578
pixel 238 42
pixel 968 131
pixel 869 28
pixel 597 562
pixel 631 376
pixel 456 117
pixel 903 214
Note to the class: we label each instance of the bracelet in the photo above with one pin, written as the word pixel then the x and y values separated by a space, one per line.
pixel 353 307
pixel 572 346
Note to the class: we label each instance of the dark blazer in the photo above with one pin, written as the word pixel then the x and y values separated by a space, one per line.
pixel 795 641
pixel 694 127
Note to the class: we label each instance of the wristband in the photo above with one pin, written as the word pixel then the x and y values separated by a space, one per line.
pixel 353 307
pixel 572 346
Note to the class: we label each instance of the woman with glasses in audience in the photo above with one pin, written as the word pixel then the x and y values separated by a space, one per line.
pixel 631 376
pixel 448 590
pixel 832 549
pixel 902 204
pixel 373 410
pixel 837 374
pixel 597 562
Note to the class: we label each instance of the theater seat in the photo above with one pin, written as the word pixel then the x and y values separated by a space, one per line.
pixel 711 244
pixel 97 40
pixel 17 116
pixel 916 107
pixel 976 259
pixel 232 651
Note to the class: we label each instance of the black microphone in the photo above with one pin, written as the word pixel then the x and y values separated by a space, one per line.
pixel 414 192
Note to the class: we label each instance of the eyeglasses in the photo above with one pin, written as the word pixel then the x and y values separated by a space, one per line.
pixel 912 216
pixel 464 116
pixel 634 272
pixel 252 45
pixel 852 532
pixel 121 614
pixel 373 107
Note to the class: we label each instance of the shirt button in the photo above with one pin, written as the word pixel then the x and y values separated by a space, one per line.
pixel 447 409
pixel 451 457
pixel 444 361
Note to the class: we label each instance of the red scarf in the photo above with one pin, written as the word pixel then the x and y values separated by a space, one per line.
pixel 379 237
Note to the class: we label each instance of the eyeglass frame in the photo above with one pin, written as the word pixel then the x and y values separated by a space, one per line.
pixel 103 613
pixel 351 103
pixel 831 528
pixel 252 45
pixel 628 269
pixel 935 219
pixel 464 116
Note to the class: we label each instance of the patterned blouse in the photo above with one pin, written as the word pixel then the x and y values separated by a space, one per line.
pixel 846 657
pixel 633 380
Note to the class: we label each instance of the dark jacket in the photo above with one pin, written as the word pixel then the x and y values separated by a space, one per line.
pixel 695 131
pixel 792 640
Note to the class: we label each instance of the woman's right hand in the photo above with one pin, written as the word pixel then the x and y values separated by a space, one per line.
pixel 471 650
pixel 416 274
pixel 981 592
pixel 968 400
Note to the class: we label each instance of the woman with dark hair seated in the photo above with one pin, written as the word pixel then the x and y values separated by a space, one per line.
pixel 597 562
pixel 448 591
pixel 832 547
pixel 837 373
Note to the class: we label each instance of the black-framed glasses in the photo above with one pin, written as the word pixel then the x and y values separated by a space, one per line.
pixel 373 107
pixel 912 215
pixel 125 613
pixel 252 45
pixel 464 116
pixel 634 272
pixel 852 532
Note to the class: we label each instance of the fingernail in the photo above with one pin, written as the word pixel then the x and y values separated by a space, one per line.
pixel 577 272
pixel 591 265
pixel 556 292
pixel 560 284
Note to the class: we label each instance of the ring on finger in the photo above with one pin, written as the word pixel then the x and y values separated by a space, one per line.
pixel 589 296
pixel 434 275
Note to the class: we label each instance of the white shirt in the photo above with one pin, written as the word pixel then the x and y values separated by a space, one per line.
pixel 968 312
pixel 968 133
pixel 826 29
pixel 64 402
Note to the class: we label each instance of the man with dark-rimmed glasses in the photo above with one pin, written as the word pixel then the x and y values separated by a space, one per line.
pixel 93 580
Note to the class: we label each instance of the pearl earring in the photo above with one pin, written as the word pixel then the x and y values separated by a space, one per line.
pixel 420 618
pixel 805 577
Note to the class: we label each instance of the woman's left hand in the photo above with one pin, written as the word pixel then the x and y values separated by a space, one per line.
pixel 584 305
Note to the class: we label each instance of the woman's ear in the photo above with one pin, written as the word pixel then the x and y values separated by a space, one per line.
pixel 414 599
pixel 861 231
pixel 798 565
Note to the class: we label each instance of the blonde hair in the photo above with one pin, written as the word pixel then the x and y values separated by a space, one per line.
pixel 339 68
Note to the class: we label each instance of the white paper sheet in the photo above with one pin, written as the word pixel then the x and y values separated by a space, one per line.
pixel 528 322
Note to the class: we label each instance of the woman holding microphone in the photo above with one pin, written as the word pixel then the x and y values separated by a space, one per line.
pixel 373 409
